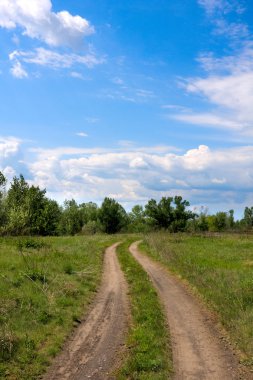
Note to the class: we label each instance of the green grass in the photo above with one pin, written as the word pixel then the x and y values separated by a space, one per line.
pixel 45 287
pixel 220 267
pixel 149 354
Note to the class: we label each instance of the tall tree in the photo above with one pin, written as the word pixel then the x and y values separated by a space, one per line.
pixel 89 212
pixel 71 218
pixel 161 214
pixel 248 217
pixel 181 215
pixel 25 205
pixel 112 216
pixel 2 200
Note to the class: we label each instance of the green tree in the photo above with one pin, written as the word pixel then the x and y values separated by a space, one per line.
pixel 161 214
pixel 180 214
pixel 89 212
pixel 71 218
pixel 18 212
pixel 3 214
pixel 2 182
pixel 25 206
pixel 165 215
pixel 220 221
pixel 231 219
pixel 137 220
pixel 112 216
pixel 51 218
pixel 248 217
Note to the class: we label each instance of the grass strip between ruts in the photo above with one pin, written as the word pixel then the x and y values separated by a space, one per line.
pixel 149 353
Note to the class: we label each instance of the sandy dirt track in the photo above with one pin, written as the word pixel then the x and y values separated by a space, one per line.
pixel 199 352
pixel 96 348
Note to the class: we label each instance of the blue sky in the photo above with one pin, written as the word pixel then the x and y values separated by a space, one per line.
pixel 129 99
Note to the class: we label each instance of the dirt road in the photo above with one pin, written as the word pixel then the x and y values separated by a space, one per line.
pixel 198 349
pixel 96 348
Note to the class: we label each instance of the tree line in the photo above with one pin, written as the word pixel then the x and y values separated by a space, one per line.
pixel 26 210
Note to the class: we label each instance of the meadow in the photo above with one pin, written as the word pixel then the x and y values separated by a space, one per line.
pixel 219 268
pixel 46 285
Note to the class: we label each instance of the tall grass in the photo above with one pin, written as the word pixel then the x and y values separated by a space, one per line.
pixel 45 287
pixel 220 267
pixel 149 354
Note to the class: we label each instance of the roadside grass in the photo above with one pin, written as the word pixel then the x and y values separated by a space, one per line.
pixel 46 285
pixel 149 354
pixel 220 267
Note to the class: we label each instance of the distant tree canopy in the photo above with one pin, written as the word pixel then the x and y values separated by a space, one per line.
pixel 2 180
pixel 112 216
pixel 29 211
pixel 26 210
pixel 165 215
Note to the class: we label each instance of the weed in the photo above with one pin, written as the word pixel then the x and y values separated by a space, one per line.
pixel 8 343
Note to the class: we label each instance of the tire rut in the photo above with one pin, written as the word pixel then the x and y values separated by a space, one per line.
pixel 199 352
pixel 97 346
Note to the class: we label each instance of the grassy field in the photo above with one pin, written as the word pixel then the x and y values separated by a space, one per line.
pixel 45 287
pixel 221 269
pixel 149 355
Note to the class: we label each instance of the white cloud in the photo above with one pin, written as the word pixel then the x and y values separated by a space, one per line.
pixel 232 93
pixel 9 154
pixel 144 93
pixel 175 107
pixel 77 75
pixel 205 176
pixel 8 146
pixel 221 6
pixel 208 119
pixel 81 134
pixel 37 20
pixel 220 181
pixel 202 175
pixel 18 71
pixel 217 11
pixel 9 172
pixel 53 59
pixel 237 63
pixel 228 90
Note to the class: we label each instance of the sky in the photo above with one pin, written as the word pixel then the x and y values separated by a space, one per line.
pixel 133 99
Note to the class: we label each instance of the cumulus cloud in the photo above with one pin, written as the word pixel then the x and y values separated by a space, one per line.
pixel 9 146
pixel 202 175
pixel 9 151
pixel 37 20
pixel 62 32
pixel 205 176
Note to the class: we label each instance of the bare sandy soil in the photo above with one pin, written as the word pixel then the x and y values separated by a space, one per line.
pixel 97 346
pixel 199 349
